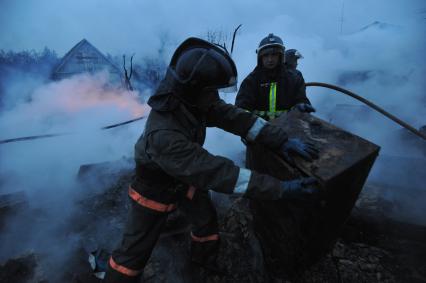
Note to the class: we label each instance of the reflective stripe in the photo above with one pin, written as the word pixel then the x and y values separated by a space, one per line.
pixel 122 269
pixel 190 193
pixel 273 97
pixel 268 114
pixel 255 129
pixel 151 204
pixel 242 181
pixel 272 111
pixel 213 237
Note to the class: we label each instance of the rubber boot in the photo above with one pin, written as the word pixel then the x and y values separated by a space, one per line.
pixel 113 276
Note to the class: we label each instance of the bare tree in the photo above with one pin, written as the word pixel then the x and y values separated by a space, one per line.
pixel 221 38
pixel 126 76
pixel 217 37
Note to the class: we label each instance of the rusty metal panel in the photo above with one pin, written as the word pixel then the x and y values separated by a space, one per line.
pixel 296 232
pixel 340 150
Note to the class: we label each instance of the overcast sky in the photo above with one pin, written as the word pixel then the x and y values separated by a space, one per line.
pixel 317 28
pixel 129 25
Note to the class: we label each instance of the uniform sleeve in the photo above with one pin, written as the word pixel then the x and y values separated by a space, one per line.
pixel 246 97
pixel 229 118
pixel 300 89
pixel 190 163
pixel 193 165
pixel 244 124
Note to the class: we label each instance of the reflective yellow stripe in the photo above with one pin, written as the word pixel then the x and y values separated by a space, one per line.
pixel 272 111
pixel 273 97
pixel 267 114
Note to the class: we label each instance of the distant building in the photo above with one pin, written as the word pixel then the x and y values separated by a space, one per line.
pixel 84 58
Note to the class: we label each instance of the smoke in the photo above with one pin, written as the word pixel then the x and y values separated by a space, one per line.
pixel 383 62
pixel 46 169
pixel 81 103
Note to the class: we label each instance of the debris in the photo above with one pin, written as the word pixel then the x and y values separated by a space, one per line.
pixel 18 270
pixel 11 203
pixel 370 247
pixel 12 200
pixel 98 262
pixel 102 175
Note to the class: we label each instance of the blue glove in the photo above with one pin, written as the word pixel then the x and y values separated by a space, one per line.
pixel 299 187
pixel 297 146
pixel 304 107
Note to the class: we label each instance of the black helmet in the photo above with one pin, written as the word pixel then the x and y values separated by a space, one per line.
pixel 196 71
pixel 291 57
pixel 198 64
pixel 271 43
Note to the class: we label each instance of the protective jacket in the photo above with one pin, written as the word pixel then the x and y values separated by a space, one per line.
pixel 269 93
pixel 173 170
pixel 171 147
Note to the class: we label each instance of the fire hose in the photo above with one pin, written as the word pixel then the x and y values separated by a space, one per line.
pixel 325 85
pixel 372 105
pixel 63 134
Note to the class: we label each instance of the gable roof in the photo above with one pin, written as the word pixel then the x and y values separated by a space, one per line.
pixel 83 57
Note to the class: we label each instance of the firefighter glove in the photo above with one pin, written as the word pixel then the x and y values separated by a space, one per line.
pixel 299 147
pixel 299 187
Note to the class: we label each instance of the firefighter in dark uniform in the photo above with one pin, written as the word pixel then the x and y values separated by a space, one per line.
pixel 271 88
pixel 174 171
pixel 291 62
pixel 291 58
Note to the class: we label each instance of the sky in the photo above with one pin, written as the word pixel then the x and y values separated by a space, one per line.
pixel 328 33
pixel 324 33
pixel 135 26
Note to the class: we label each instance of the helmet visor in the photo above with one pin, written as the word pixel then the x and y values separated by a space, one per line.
pixel 229 77
pixel 232 86
pixel 298 55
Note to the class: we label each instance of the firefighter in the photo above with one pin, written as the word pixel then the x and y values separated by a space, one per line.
pixel 291 57
pixel 271 88
pixel 174 171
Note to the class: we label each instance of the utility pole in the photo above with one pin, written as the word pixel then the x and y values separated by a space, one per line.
pixel 341 16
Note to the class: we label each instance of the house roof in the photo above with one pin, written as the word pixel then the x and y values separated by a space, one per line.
pixel 83 57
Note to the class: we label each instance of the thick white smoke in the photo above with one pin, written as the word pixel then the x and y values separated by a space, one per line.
pixel 46 169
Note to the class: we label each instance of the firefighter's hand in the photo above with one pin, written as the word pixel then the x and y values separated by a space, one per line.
pixel 304 107
pixel 299 147
pixel 299 187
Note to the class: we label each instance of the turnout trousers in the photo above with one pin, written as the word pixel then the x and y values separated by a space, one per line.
pixel 147 218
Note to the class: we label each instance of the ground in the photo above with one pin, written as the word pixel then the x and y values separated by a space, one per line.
pixel 370 247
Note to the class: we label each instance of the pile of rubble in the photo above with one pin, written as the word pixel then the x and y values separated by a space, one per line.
pixel 371 248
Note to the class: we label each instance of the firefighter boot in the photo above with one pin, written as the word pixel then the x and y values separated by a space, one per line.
pixel 204 255
pixel 113 276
